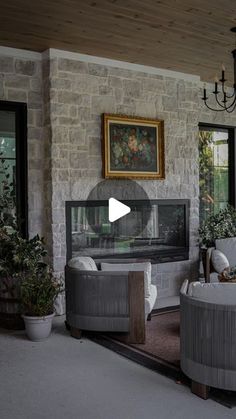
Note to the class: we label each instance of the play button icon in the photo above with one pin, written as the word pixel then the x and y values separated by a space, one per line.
pixel 117 210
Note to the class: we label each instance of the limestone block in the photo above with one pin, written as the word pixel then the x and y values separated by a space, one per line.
pixel 60 134
pixel 16 95
pixel 105 90
pixel 79 160
pixel 97 70
pixel 17 82
pixel 115 82
pixel 145 109
pixel 119 95
pixel 6 64
pixel 132 88
pixel 72 66
pixel 101 104
pixel 67 121
pixel 77 136
pixel 154 85
pixel 61 84
pixel 59 109
pixel 34 100
pixel 95 146
pixel 84 83
pixel 169 103
pixel 25 67
pixel 73 111
pixel 84 114
pixel 72 98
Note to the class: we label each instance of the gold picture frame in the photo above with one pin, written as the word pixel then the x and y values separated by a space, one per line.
pixel 133 147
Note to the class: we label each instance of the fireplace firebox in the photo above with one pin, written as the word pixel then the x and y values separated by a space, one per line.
pixel 163 238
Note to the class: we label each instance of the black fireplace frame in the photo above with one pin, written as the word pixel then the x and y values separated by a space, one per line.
pixel 170 255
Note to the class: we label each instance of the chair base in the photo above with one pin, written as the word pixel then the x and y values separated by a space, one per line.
pixel 200 390
pixel 75 333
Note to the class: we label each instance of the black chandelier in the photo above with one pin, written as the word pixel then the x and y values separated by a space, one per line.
pixel 224 101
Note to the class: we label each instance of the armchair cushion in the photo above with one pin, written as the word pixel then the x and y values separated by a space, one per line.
pixel 215 293
pixel 228 247
pixel 219 261
pixel 150 301
pixel 139 266
pixel 83 263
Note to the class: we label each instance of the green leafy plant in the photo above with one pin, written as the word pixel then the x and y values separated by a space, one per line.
pixel 38 293
pixel 218 226
pixel 7 198
pixel 23 272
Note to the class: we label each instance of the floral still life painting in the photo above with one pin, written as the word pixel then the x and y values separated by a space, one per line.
pixel 132 147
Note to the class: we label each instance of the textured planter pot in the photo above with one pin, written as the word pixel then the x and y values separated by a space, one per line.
pixel 38 328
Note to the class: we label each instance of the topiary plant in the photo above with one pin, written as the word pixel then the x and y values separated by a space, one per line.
pixel 218 226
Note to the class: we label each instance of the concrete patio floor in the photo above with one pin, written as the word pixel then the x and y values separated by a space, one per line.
pixel 67 378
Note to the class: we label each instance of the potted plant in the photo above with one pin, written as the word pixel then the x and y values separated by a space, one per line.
pixel 38 292
pixel 26 282
pixel 18 255
pixel 218 226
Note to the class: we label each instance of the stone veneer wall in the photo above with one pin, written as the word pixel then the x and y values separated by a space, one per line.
pixel 72 95
pixel 80 92
pixel 21 81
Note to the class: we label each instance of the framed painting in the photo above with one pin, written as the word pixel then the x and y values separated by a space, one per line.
pixel 133 148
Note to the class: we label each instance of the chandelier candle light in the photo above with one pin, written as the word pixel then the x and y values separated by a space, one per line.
pixel 226 102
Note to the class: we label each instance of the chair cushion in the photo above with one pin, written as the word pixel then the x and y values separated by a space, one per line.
pixel 216 293
pixel 146 267
pixel 228 247
pixel 219 260
pixel 83 263
pixel 150 301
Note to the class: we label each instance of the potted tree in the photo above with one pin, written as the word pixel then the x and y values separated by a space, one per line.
pixel 38 292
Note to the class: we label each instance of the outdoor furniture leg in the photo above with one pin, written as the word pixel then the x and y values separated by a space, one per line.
pixel 75 333
pixel 201 390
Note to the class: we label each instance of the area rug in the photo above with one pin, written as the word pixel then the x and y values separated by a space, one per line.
pixel 161 350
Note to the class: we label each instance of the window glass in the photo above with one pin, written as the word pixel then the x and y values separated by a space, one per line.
pixel 213 171
pixel 13 164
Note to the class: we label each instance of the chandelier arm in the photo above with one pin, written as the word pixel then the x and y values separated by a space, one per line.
pixel 230 96
pixel 220 104
pixel 232 105
pixel 214 109
pixel 231 110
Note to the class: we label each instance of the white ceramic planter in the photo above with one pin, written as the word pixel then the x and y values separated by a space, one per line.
pixel 38 328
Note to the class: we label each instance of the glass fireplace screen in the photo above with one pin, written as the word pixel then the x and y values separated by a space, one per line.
pixel 165 237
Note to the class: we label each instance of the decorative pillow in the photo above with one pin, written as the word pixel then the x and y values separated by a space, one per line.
pixel 219 261
pixel 228 247
pixel 83 263
pixel 215 293
pixel 139 266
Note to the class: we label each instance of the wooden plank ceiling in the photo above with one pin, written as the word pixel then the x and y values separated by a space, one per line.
pixel 192 36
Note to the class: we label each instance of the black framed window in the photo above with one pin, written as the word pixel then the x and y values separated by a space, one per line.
pixel 13 148
pixel 216 168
